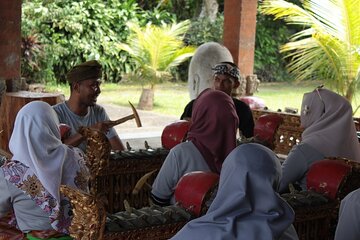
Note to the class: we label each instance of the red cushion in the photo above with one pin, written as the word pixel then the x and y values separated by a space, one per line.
pixel 192 188
pixel 265 128
pixel 326 176
pixel 174 133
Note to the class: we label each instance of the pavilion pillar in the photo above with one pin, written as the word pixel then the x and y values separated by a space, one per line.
pixel 239 32
pixel 239 38
pixel 10 45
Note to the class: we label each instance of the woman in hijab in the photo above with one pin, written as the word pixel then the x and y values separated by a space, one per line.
pixel 211 137
pixel 30 181
pixel 349 216
pixel 247 205
pixel 329 131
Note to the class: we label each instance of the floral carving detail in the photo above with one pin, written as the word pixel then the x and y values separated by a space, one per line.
pixel 32 186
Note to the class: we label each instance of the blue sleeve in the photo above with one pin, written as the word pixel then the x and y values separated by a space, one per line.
pixel 349 216
pixel 166 180
pixel 293 168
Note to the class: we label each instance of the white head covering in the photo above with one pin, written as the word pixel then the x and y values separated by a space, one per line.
pixel 40 156
pixel 205 58
pixel 329 125
pixel 247 205
pixel 36 143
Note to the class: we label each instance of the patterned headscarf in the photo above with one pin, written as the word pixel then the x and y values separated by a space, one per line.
pixel 329 125
pixel 213 127
pixel 227 68
pixel 247 205
pixel 40 159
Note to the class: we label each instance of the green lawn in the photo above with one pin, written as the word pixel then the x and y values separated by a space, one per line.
pixel 281 95
pixel 171 98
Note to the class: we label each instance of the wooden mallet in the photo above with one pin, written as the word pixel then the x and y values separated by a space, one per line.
pixel 127 118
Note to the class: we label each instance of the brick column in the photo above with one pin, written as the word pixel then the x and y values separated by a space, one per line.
pixel 10 44
pixel 239 32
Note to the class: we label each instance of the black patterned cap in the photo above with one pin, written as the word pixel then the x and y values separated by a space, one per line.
pixel 227 68
pixel 84 71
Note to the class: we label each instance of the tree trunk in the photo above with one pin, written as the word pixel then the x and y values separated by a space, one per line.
pixel 146 99
pixel 209 9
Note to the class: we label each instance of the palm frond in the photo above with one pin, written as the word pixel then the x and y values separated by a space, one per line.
pixel 328 46
pixel 289 12
pixel 180 56
pixel 156 49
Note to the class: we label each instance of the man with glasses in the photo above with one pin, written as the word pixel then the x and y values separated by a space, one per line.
pixel 81 108
pixel 226 79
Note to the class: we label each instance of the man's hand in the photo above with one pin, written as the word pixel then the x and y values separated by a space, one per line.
pixel 102 126
pixel 77 138
pixel 65 131
pixel 115 141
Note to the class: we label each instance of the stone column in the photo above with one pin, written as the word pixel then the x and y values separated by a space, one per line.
pixel 239 33
pixel 10 45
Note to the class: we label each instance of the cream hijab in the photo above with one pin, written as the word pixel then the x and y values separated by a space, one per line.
pixel 246 205
pixel 37 150
pixel 36 143
pixel 329 125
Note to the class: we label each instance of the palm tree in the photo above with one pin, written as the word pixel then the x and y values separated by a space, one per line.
pixel 156 49
pixel 328 46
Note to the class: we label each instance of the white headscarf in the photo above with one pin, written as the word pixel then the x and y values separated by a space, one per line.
pixel 329 125
pixel 246 205
pixel 37 150
pixel 36 143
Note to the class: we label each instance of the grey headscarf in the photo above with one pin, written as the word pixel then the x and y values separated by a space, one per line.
pixel 247 205
pixel 329 125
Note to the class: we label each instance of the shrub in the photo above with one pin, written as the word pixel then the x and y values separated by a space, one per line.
pixel 269 63
pixel 75 31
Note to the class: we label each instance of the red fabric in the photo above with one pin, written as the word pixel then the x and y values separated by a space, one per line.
pixel 213 128
pixel 8 232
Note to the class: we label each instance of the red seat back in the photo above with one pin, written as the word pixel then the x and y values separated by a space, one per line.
pixel 192 189
pixel 328 176
pixel 265 128
pixel 174 133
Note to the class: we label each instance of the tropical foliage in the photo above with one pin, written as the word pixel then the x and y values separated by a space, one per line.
pixel 327 47
pixel 32 55
pixel 270 35
pixel 71 32
pixel 201 31
pixel 156 49
pixel 68 32
pixel 183 9
pixel 269 64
